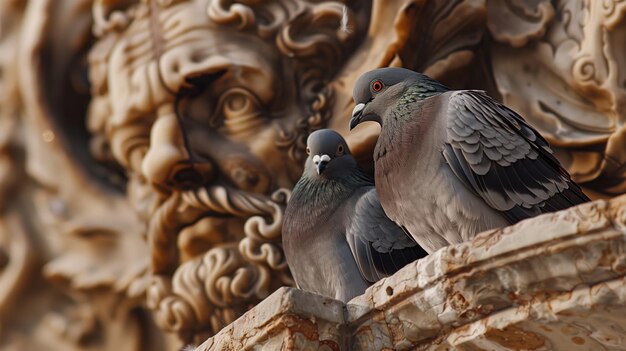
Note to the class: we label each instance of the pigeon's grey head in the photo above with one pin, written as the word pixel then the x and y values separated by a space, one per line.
pixel 376 90
pixel 329 155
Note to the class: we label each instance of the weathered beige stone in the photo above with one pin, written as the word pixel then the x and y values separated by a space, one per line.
pixel 290 319
pixel 554 282
pixel 533 272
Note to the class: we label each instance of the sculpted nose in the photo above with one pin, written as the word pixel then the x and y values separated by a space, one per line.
pixel 167 162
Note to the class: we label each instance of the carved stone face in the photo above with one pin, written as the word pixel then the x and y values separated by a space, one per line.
pixel 207 107
pixel 232 118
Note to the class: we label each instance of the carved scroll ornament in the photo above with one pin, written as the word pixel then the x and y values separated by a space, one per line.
pixel 562 65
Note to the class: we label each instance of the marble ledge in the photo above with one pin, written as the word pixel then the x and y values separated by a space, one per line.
pixel 554 282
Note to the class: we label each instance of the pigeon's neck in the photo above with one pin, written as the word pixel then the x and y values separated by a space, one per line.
pixel 408 123
pixel 319 196
pixel 337 187
pixel 421 90
pixel 411 102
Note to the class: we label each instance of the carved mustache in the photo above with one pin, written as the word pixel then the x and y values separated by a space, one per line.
pixel 184 208
pixel 224 200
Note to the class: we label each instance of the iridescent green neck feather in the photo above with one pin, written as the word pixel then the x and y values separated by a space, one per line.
pixel 315 192
pixel 419 90
pixel 422 89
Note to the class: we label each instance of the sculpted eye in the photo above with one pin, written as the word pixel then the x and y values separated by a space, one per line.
pixel 238 102
pixel 308 151
pixel 238 110
pixel 377 85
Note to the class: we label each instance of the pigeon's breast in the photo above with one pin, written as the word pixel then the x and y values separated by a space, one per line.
pixel 324 264
pixel 440 211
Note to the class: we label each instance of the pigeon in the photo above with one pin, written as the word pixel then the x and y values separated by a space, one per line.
pixel 450 164
pixel 336 237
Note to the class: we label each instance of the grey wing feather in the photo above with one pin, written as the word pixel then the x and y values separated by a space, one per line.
pixel 379 246
pixel 502 159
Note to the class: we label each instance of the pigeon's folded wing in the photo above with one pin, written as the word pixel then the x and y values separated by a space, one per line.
pixel 380 247
pixel 497 155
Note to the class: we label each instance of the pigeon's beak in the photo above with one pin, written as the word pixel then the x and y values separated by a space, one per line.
pixel 321 162
pixel 357 115
pixel 321 167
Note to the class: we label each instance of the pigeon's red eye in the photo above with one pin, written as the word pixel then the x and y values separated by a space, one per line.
pixel 377 85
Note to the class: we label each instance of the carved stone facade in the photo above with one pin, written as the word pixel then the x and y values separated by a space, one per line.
pixel 148 147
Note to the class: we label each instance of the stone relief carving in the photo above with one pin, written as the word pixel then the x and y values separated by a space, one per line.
pixel 195 99
pixel 147 147
pixel 561 64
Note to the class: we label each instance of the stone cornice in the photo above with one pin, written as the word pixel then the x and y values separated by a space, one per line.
pixel 556 281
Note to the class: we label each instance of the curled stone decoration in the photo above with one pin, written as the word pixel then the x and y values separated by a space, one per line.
pixel 295 141
pixel 525 20
pixel 228 276
pixel 265 16
pixel 17 251
pixel 219 201
pixel 578 103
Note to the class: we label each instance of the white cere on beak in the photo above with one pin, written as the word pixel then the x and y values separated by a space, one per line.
pixel 318 158
pixel 357 109
pixel 320 162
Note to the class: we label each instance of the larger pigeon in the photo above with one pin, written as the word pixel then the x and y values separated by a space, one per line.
pixel 336 236
pixel 450 164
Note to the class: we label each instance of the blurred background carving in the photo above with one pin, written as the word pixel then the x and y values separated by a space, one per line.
pixel 148 147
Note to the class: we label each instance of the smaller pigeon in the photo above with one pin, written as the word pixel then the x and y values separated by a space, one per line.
pixel 453 163
pixel 336 236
